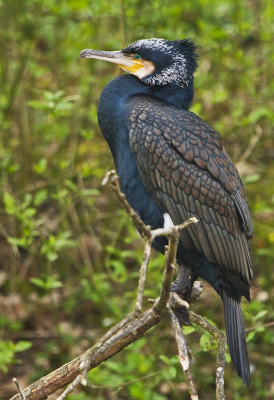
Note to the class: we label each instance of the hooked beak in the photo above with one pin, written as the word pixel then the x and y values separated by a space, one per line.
pixel 125 61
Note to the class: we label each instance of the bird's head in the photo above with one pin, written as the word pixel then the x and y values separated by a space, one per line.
pixel 154 61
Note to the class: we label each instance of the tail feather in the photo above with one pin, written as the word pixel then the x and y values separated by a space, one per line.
pixel 236 339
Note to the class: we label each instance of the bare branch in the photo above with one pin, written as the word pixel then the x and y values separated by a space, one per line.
pixel 118 337
pixel 260 326
pixel 183 354
pixel 23 397
pixel 70 388
pixel 142 279
pixel 221 340
pixel 175 301
pixel 131 328
pixel 129 382
pixel 196 291
pixel 113 179
pixel 250 146
pixel 160 304
pixel 96 355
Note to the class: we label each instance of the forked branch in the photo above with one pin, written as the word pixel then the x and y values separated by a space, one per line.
pixel 136 323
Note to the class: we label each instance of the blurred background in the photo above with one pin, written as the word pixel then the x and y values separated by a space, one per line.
pixel 69 255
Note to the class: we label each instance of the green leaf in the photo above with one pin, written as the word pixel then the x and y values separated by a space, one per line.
pixel 90 192
pixel 48 283
pixel 250 336
pixel 7 351
pixel 40 197
pixel 261 314
pixel 165 359
pixel 28 213
pixel 119 270
pixel 41 166
pixel 264 252
pixel 55 284
pixel 38 282
pixel 169 361
pixel 71 185
pixel 251 178
pixel 188 329
pixel 21 242
pixel 22 345
pixel 64 106
pixel 173 371
pixel 3 366
pixel 37 104
pixel 9 202
pixel 259 113
pixel 205 343
pixel 51 256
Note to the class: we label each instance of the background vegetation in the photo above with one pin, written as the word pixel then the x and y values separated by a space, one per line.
pixel 69 255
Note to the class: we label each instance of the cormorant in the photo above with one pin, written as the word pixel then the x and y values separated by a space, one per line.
pixel 173 166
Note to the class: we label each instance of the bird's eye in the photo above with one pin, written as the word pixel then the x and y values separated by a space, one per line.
pixel 137 57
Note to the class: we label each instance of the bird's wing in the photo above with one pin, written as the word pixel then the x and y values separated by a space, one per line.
pixel 188 172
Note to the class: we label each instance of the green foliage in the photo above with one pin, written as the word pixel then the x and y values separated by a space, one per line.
pixel 49 283
pixel 53 244
pixel 24 214
pixel 8 350
pixel 188 329
pixel 69 255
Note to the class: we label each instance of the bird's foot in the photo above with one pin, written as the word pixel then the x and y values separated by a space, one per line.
pixel 180 307
pixel 179 287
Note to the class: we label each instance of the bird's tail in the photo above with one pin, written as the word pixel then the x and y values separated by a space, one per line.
pixel 236 339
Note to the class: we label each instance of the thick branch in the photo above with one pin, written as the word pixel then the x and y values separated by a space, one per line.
pixel 113 342
pixel 68 372
pixel 129 329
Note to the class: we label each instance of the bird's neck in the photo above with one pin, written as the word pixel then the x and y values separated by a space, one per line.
pixel 180 97
pixel 114 105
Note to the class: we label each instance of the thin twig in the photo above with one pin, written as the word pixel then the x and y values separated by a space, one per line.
pixel 123 384
pixel 113 179
pixel 173 231
pixel 23 397
pixel 250 146
pixel 183 353
pixel 70 388
pixel 142 279
pixel 260 326
pixel 171 252
pixel 169 271
pixel 221 340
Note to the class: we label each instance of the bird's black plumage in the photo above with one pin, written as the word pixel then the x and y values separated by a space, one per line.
pixel 170 162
